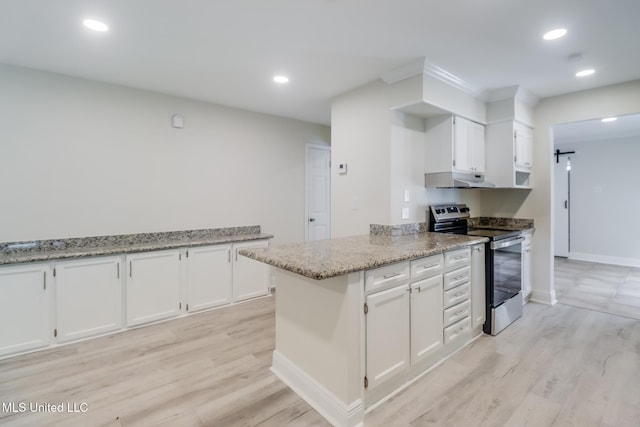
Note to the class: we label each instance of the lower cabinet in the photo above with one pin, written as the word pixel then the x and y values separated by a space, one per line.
pixel 53 303
pixel 153 286
pixel 250 277
pixel 88 297
pixel 208 277
pixel 387 336
pixel 24 308
pixel 478 286
pixel 426 318
pixel 526 267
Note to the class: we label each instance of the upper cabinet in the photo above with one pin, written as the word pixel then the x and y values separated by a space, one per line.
pixel 509 151
pixel 454 144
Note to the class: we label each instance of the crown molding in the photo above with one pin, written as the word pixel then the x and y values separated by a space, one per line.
pixel 424 67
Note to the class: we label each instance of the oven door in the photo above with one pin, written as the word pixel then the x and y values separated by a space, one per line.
pixel 507 269
pixel 504 283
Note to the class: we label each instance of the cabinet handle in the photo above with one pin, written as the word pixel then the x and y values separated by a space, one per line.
pixel 236 255
pixel 44 274
pixel 118 271
pixel 130 269
pixel 426 267
pixel 462 276
pixel 391 276
pixel 228 255
pixel 478 249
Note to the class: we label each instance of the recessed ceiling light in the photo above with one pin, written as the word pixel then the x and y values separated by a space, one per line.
pixel 609 119
pixel 94 25
pixel 585 73
pixel 554 34
pixel 281 79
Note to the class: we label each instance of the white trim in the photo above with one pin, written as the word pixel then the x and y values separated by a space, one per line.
pixel 404 72
pixel 451 79
pixel 322 400
pixel 307 146
pixel 424 67
pixel 543 297
pixel 604 259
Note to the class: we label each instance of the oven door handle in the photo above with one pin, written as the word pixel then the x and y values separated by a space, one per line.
pixel 506 243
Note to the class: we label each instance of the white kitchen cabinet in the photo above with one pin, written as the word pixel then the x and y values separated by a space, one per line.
pixel 523 146
pixel 468 146
pixel 454 144
pixel 208 277
pixel 478 286
pixel 88 297
pixel 509 151
pixel 250 277
pixel 426 318
pixel 387 335
pixel 25 308
pixel 153 286
pixel 526 266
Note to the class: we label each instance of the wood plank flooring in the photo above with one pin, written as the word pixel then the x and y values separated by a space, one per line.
pixel 556 366
pixel 602 287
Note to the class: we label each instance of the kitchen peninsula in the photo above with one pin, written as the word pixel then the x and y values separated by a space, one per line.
pixel 360 317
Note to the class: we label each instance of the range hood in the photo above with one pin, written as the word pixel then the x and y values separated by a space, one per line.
pixel 456 180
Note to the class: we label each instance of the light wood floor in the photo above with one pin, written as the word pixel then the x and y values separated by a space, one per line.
pixel 608 288
pixel 556 366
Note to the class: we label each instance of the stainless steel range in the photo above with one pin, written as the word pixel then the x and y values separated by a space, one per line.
pixel 503 263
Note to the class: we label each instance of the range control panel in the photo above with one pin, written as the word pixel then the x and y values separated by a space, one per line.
pixel 448 212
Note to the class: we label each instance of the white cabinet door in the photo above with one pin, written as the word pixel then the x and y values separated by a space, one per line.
pixel 250 277
pixel 426 318
pixel 88 297
pixel 24 308
pixel 478 286
pixel 526 268
pixel 208 277
pixel 476 143
pixel 462 145
pixel 468 146
pixel 523 140
pixel 387 335
pixel 153 286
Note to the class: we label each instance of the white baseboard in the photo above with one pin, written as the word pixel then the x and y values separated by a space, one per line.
pixel 322 400
pixel 604 259
pixel 543 297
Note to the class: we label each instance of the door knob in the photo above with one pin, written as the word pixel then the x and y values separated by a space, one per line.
pixel 311 219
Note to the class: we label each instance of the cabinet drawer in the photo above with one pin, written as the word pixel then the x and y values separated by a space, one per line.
pixel 386 277
pixel 455 331
pixel 456 259
pixel 456 277
pixel 456 295
pixel 426 267
pixel 457 312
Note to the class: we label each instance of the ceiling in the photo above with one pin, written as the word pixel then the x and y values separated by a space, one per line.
pixel 227 51
pixel 571 134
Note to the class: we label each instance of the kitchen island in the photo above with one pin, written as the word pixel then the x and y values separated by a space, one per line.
pixel 358 318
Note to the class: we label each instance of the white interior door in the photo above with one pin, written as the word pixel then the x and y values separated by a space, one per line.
pixel 318 179
pixel 561 208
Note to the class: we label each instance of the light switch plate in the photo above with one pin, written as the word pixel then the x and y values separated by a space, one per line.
pixel 342 168
pixel 405 213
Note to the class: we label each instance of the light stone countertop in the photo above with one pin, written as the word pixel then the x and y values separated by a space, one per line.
pixel 61 249
pixel 335 257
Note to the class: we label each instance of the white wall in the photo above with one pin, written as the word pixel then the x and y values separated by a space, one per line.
pixel 604 195
pixel 589 104
pixel 82 158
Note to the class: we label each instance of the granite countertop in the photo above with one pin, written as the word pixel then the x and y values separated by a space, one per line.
pixel 335 257
pixel 59 249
